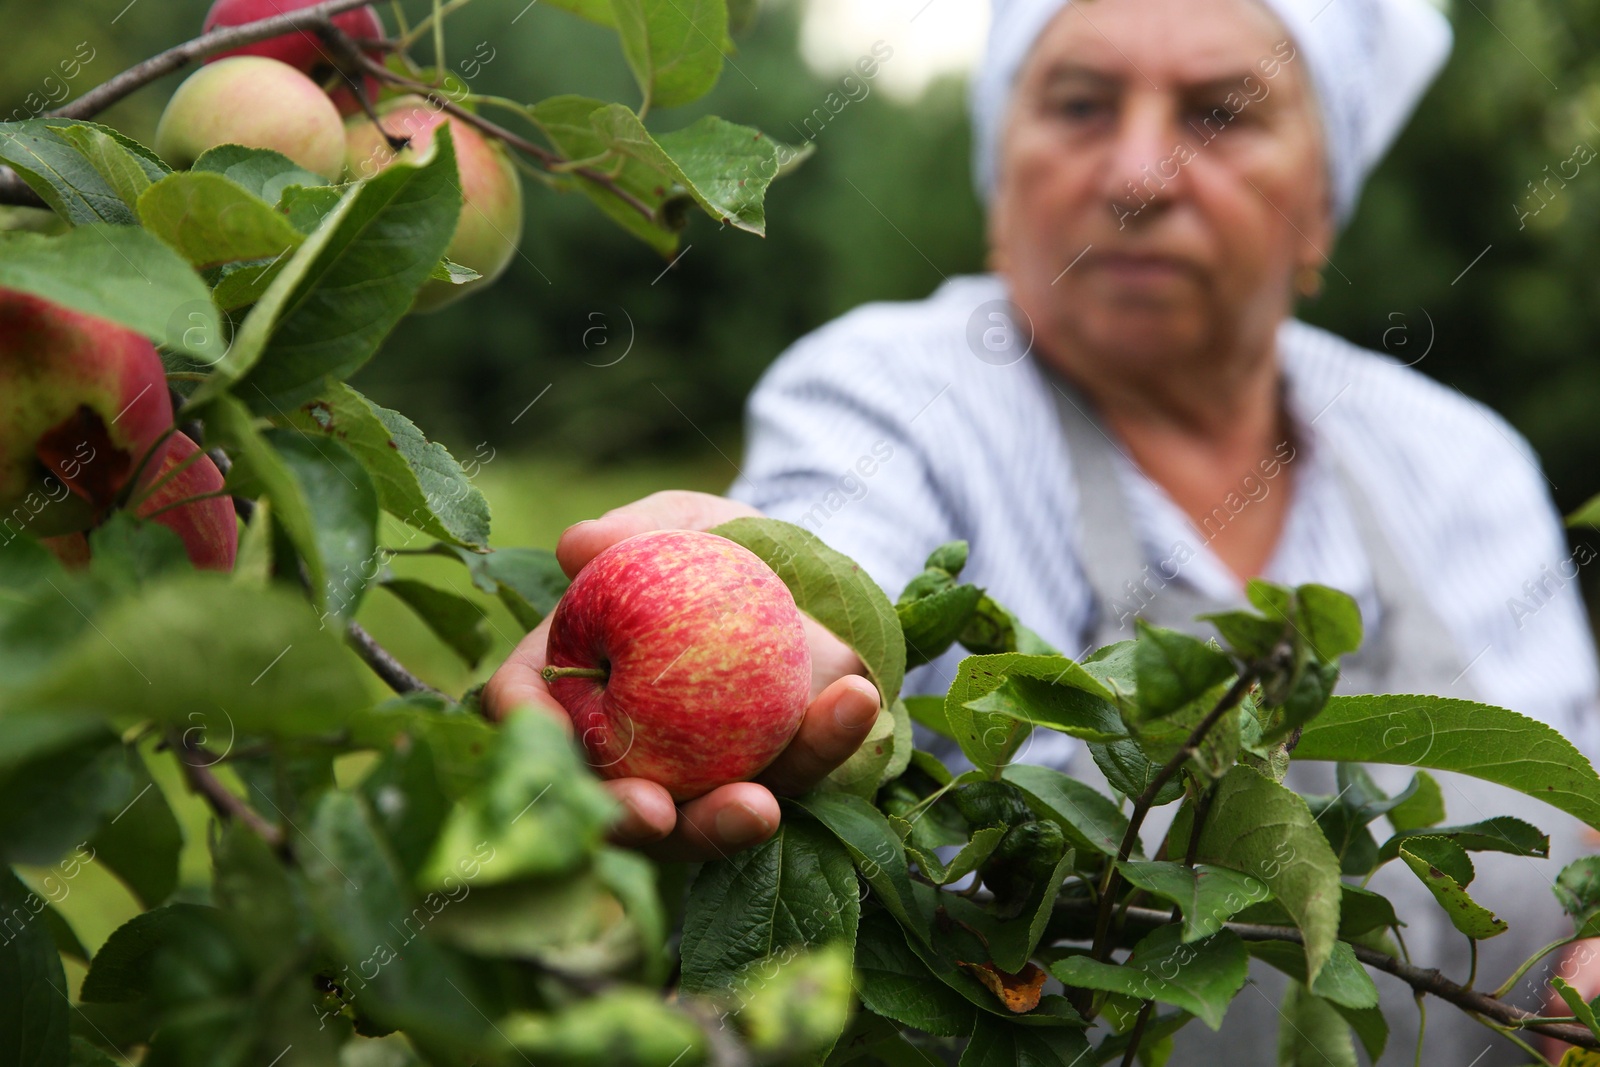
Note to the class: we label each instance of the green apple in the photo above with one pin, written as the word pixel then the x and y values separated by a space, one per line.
pixel 255 102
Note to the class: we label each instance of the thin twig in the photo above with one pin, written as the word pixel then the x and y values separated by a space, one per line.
pixel 221 39
pixel 1422 979
pixel 384 665
pixel 197 763
pixel 550 160
pixel 1141 807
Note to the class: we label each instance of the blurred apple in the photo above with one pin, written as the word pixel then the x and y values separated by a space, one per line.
pixel 258 103
pixel 490 228
pixel 302 50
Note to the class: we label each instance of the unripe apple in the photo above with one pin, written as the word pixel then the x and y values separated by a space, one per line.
pixel 303 50
pixel 490 227
pixel 258 103
pixel 82 402
pixel 682 659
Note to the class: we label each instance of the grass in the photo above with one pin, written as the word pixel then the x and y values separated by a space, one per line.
pixel 532 502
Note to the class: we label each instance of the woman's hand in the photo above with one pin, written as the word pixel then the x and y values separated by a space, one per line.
pixel 844 705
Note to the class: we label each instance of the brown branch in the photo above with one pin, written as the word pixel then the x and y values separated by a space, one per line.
pixel 221 39
pixel 548 159
pixel 384 664
pixel 197 763
pixel 1421 979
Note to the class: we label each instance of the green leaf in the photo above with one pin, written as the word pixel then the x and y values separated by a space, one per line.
pixel 568 122
pixel 1423 807
pixel 933 623
pixel 796 1015
pixel 990 738
pixel 1502 833
pixel 1173 669
pixel 121 971
pixel 142 842
pixel 1329 620
pixel 1361 911
pixel 1090 821
pixel 455 620
pixel 873 1041
pixel 1577 888
pixel 63 936
pixel 417 480
pixel 529 581
pixel 1260 828
pixel 1588 515
pixel 262 172
pixel 322 317
pixel 997 1043
pixel 1466 914
pixel 833 590
pixel 1200 977
pixel 1583 1010
pixel 1208 896
pixel 343 509
pixel 54 803
pixel 126 173
pixel 1065 708
pixel 728 169
pixel 123 274
pixel 71 164
pixel 963 863
pixel 895 983
pixel 211 220
pixel 1485 742
pixel 1013 942
pixel 34 1008
pixel 673 47
pixel 929 711
pixel 281 675
pixel 365 914
pixel 795 890
pixel 539 810
pixel 1312 1032
pixel 1342 981
pixel 874 847
pixel 618 1027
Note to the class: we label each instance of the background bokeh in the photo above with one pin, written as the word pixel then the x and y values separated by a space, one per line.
pixel 1474 251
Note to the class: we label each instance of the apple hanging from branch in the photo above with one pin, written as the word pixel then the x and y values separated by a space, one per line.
pixel 490 227
pixel 305 51
pixel 681 658
pixel 82 404
pixel 258 103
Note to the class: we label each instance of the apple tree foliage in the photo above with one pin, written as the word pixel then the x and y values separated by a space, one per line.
pixel 392 880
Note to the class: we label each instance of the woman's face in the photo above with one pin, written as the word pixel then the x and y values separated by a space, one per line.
pixel 1174 146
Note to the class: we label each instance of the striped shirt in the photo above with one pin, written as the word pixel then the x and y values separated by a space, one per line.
pixel 886 435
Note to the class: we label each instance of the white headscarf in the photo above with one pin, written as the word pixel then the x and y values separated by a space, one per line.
pixel 1371 61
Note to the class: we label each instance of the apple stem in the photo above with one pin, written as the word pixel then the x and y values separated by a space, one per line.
pixel 597 673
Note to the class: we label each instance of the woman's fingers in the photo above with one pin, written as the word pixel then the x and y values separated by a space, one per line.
pixel 726 820
pixel 674 509
pixel 835 724
pixel 518 682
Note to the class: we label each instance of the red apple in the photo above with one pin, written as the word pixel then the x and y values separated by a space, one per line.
pixel 490 227
pixel 682 659
pixel 209 527
pixel 258 103
pixel 303 50
pixel 82 403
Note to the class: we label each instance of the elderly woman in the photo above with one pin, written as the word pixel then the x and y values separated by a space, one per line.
pixel 1124 419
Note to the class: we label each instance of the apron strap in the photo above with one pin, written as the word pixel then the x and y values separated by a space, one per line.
pixel 1411 652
